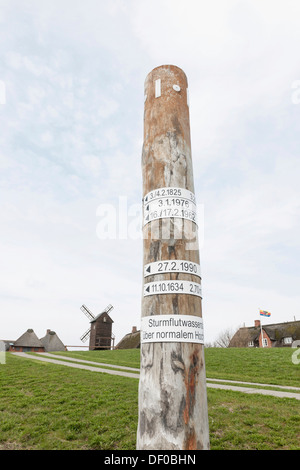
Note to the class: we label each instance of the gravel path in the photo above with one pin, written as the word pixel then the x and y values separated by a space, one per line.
pixel 77 366
pixel 129 372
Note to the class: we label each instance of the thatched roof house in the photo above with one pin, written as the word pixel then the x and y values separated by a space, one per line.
pixel 273 335
pixel 131 340
pixel 51 342
pixel 28 342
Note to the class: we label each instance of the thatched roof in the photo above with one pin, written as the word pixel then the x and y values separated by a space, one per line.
pixel 29 340
pixel 282 330
pixel 275 331
pixel 51 342
pixel 130 341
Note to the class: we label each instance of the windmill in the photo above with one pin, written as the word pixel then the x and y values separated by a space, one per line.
pixel 100 331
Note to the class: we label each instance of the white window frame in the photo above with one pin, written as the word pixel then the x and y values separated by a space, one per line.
pixel 287 340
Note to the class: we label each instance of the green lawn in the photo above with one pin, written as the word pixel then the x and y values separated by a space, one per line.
pixel 125 357
pixel 47 406
pixel 271 366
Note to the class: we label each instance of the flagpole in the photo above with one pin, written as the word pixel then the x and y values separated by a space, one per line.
pixel 261 332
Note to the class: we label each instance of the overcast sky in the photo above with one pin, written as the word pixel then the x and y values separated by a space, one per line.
pixel 71 113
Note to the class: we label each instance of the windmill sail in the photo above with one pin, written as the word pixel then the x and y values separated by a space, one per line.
pixel 108 308
pixel 87 312
pixel 85 336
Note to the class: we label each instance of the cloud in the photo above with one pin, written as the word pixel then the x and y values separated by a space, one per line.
pixel 71 139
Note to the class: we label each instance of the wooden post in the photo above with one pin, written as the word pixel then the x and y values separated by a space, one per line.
pixel 172 387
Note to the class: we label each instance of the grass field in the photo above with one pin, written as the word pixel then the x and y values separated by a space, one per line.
pixel 47 406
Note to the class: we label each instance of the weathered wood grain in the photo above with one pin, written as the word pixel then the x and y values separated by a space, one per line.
pixel 172 388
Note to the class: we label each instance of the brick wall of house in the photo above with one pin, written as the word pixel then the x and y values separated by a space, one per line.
pixel 265 336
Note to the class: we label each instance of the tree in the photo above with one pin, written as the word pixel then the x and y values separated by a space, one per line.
pixel 239 338
pixel 224 338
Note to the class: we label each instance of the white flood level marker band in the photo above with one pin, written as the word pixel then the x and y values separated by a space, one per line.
pixel 173 287
pixel 169 202
pixel 170 207
pixel 172 329
pixel 172 266
pixel 168 192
